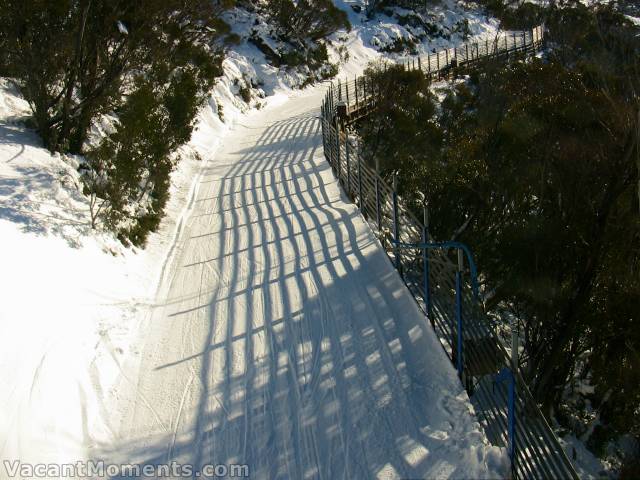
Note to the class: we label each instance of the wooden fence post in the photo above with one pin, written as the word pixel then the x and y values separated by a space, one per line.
pixel 346 87
pixel 360 183
pixel 331 97
pixel 377 187
pixel 396 224
pixel 338 150
pixel 364 88
pixel 346 147
pixel 323 117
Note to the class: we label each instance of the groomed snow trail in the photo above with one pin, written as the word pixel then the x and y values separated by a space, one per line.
pixel 283 339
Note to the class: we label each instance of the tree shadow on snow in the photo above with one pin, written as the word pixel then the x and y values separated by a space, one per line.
pixel 35 197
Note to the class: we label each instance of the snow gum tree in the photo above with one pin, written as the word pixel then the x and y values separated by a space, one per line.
pixel 306 19
pixel 148 63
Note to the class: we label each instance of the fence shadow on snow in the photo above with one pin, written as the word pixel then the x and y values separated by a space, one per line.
pixel 435 277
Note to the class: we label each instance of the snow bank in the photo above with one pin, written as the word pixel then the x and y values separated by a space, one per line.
pixel 73 298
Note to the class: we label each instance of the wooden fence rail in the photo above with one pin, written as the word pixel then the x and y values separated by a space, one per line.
pixel 357 97
pixel 507 411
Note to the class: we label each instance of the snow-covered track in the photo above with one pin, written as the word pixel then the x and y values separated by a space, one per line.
pixel 285 340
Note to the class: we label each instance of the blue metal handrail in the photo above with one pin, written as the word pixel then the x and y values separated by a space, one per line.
pixel 447 245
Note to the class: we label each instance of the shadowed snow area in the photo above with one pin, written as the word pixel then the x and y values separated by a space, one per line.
pixel 283 339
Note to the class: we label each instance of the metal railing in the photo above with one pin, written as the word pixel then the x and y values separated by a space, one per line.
pixel 439 281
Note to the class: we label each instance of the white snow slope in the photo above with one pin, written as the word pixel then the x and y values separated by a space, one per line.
pixel 284 339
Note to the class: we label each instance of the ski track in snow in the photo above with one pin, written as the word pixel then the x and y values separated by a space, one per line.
pixel 283 339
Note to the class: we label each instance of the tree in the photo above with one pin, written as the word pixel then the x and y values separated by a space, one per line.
pixel 150 63
pixel 534 165
pixel 405 102
pixel 73 59
pixel 306 19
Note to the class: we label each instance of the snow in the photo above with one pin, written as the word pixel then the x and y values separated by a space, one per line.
pixel 262 324
pixel 587 465
pixel 362 43
pixel 73 299
pixel 122 28
pixel 368 36
pixel 284 338
pixel 634 20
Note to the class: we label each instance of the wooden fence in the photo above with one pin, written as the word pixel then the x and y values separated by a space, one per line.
pixel 444 285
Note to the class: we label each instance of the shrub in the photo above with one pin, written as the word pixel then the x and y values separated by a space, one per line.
pixel 245 93
pixel 127 175
pixel 73 59
pixel 149 62
pixel 306 19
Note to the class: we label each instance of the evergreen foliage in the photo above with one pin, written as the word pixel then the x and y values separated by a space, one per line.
pixel 150 63
pixel 410 107
pixel 306 19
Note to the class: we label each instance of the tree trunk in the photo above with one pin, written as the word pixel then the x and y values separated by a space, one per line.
pixel 550 373
pixel 85 115
pixel 74 71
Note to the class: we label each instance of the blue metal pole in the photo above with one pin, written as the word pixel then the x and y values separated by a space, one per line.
pixel 458 339
pixel 445 245
pixel 425 265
